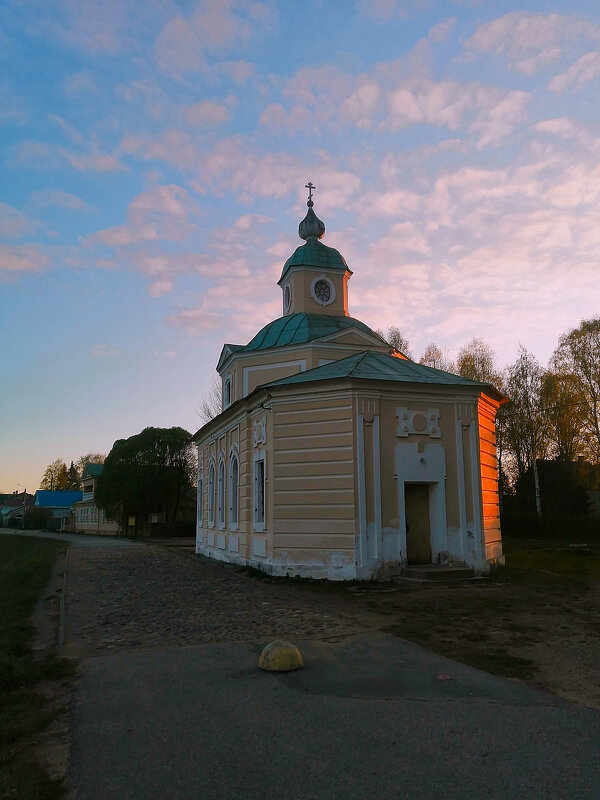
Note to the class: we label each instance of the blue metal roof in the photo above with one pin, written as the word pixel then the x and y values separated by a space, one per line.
pixel 56 499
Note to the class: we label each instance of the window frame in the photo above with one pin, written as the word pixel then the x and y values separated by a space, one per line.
pixel 227 391
pixel 221 493
pixel 260 457
pixel 211 494
pixel 234 491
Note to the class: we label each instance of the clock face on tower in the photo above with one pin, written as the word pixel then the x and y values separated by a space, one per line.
pixel 322 291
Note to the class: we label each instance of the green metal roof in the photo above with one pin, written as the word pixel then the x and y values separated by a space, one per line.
pixel 315 254
pixel 92 470
pixel 299 328
pixel 370 365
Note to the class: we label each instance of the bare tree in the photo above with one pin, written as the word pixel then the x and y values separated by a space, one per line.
pixel 578 354
pixel 562 404
pixel 397 339
pixel 439 359
pixel 89 458
pixel 477 361
pixel 212 403
pixel 525 434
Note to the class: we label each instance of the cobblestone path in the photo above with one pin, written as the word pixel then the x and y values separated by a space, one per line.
pixel 148 596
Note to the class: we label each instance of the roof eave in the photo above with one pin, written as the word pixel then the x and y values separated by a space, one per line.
pixel 316 267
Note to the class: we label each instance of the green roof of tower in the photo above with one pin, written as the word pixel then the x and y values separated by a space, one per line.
pixel 301 327
pixel 315 254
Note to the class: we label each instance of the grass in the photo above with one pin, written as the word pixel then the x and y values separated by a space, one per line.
pixel 25 567
pixel 560 566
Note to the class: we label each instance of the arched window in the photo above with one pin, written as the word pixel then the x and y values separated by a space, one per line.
pixel 211 495
pixel 227 392
pixel 234 473
pixel 259 490
pixel 221 494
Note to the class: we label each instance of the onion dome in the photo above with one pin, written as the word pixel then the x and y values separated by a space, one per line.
pixel 311 226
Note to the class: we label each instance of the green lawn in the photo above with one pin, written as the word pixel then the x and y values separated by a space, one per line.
pixel 25 566
pixel 561 565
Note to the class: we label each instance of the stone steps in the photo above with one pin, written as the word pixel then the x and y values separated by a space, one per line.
pixel 436 575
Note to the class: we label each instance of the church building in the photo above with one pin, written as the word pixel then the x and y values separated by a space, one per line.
pixel 337 457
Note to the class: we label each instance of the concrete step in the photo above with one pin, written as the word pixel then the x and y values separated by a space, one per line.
pixel 436 574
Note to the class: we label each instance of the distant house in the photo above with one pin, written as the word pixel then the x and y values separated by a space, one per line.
pixel 12 507
pixel 87 517
pixel 59 503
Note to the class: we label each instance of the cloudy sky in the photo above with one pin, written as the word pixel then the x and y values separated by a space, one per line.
pixel 154 156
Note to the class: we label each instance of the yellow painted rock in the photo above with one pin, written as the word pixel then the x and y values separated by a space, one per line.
pixel 280 656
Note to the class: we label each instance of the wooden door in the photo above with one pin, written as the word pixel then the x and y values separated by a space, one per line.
pixel 418 533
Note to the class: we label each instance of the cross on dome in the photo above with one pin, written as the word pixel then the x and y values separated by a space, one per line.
pixel 311 226
pixel 310 188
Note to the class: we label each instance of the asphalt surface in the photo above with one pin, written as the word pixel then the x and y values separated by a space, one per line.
pixel 369 716
pixel 87 541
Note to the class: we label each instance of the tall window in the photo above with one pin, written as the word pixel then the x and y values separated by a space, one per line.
pixel 234 472
pixel 221 494
pixel 227 392
pixel 211 495
pixel 259 493
pixel 199 501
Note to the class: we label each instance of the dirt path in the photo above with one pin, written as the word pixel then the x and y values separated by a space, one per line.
pixel 549 639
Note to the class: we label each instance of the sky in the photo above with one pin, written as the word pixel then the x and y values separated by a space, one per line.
pixel 154 155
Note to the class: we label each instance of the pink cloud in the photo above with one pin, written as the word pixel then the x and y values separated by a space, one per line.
pixel 585 69
pixel 161 212
pixel 160 288
pixel 489 112
pixel 207 113
pixel 43 155
pixel 22 258
pixel 13 223
pixel 184 44
pixel 194 321
pixel 238 71
pixel 49 198
pixel 104 351
pixel 530 41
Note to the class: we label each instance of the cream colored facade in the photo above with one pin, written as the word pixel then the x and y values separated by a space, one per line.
pixel 87 517
pixel 335 456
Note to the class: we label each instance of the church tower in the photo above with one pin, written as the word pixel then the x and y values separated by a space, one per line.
pixel 315 277
pixel 335 456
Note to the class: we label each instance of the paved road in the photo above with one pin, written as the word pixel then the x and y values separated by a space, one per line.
pixel 171 705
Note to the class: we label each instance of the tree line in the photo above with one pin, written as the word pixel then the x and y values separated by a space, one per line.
pixel 57 476
pixel 148 472
pixel 553 412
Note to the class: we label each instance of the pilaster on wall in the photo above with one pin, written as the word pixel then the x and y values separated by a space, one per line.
pixel 468 545
pixel 368 449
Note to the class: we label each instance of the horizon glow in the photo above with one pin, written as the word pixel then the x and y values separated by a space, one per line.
pixel 155 156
